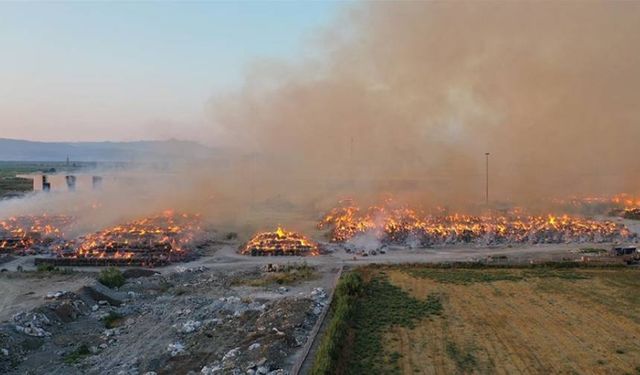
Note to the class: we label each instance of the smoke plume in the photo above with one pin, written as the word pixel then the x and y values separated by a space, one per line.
pixel 408 96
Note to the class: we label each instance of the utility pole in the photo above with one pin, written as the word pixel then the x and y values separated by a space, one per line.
pixel 486 197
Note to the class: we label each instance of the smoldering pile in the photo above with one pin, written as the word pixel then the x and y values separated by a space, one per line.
pixel 405 226
pixel 279 242
pixel 32 234
pixel 152 241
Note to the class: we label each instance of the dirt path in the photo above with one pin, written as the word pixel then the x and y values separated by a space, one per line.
pixel 22 293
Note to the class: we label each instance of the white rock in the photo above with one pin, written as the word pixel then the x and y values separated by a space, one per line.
pixel 175 348
pixel 231 354
pixel 254 346
pixel 210 370
pixel 191 326
pixel 5 352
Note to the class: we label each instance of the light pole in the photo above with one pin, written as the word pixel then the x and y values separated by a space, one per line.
pixel 486 196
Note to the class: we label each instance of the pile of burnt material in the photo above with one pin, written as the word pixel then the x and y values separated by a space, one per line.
pixel 631 213
pixel 153 241
pixel 279 242
pixel 23 235
pixel 404 226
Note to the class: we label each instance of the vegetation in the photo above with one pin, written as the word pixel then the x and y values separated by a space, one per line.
pixel 76 355
pixel 111 277
pixel 469 276
pixel 464 359
pixel 291 274
pixel 347 291
pixel 11 185
pixel 50 268
pixel 362 313
pixel 112 320
pixel 592 250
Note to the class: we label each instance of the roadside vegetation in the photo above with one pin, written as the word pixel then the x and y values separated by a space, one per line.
pixel 361 313
pixel 76 355
pixel 112 320
pixel 51 269
pixel 465 318
pixel 290 274
pixel 111 277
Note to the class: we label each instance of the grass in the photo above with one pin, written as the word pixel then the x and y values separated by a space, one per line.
pixel 464 359
pixel 292 274
pixel 76 355
pixel 10 184
pixel 112 320
pixel 592 250
pixel 333 342
pixel 472 275
pixel 362 313
pixel 111 277
pixel 49 268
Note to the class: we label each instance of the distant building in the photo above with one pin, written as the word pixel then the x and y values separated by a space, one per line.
pixel 64 181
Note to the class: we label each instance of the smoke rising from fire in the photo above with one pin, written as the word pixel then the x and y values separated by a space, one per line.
pixel 410 95
pixel 404 98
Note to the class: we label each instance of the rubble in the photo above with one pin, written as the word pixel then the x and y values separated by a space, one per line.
pixel 191 326
pixel 218 328
pixel 32 324
pixel 176 348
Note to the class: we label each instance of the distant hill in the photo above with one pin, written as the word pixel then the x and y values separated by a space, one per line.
pixel 21 150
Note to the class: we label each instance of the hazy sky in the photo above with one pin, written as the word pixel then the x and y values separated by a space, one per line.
pixel 126 71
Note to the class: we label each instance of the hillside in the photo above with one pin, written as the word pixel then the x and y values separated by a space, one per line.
pixel 22 150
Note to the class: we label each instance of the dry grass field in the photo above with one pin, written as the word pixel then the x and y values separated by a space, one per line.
pixel 505 321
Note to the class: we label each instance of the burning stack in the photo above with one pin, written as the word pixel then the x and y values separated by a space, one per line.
pixel 406 226
pixel 153 241
pixel 280 242
pixel 32 234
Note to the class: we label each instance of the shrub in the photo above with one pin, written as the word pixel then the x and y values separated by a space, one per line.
pixel 343 306
pixel 111 320
pixel 111 277
pixel 77 355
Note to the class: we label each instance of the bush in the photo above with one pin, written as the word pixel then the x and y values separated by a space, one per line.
pixel 111 277
pixel 343 306
pixel 45 267
pixel 77 355
pixel 111 320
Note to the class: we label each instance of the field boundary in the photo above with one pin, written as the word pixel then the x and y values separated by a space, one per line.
pixel 313 335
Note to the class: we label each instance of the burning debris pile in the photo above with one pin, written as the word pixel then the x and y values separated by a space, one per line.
pixel 152 241
pixel 32 234
pixel 613 205
pixel 406 226
pixel 631 213
pixel 280 242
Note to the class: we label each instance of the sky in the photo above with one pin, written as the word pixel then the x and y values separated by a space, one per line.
pixel 72 71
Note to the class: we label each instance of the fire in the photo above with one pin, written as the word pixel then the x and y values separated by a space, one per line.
pixel 402 225
pixel 27 233
pixel 279 242
pixel 152 240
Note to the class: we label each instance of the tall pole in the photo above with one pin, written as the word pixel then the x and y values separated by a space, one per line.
pixel 486 196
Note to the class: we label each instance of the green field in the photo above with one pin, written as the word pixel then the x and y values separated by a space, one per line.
pixel 11 186
pixel 424 319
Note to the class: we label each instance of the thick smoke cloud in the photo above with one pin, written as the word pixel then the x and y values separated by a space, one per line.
pixel 410 95
pixel 404 98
